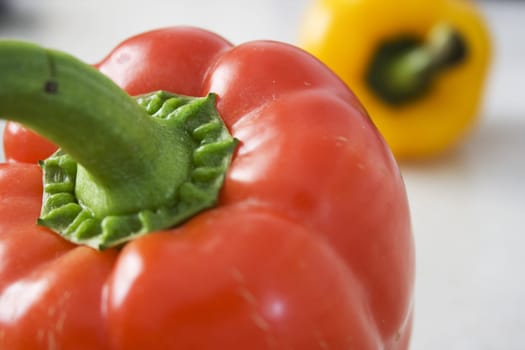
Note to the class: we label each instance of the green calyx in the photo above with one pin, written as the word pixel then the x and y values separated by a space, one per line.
pixel 404 68
pixel 76 206
pixel 126 166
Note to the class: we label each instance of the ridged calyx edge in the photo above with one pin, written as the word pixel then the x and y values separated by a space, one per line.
pixel 212 151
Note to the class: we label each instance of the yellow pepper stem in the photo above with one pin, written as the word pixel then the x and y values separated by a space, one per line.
pixel 404 68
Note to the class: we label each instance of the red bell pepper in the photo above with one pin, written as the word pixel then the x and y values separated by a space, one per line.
pixel 308 244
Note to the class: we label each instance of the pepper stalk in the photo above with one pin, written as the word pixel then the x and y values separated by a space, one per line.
pixel 405 67
pixel 126 166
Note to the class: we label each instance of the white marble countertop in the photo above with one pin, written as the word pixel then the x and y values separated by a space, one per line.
pixel 468 208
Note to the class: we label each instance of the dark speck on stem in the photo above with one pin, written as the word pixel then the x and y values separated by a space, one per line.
pixel 51 87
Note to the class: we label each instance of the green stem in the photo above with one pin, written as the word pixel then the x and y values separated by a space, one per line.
pixel 119 159
pixel 403 69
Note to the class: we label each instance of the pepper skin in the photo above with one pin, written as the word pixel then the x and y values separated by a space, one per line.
pixel 309 247
pixel 24 145
pixel 348 35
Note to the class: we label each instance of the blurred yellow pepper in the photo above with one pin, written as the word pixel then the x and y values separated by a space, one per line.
pixel 419 67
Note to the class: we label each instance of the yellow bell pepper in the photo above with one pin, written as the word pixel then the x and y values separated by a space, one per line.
pixel 419 67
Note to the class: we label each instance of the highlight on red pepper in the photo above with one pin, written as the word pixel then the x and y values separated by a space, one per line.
pixel 241 199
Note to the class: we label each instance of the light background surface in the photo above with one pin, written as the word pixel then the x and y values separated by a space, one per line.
pixel 468 207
